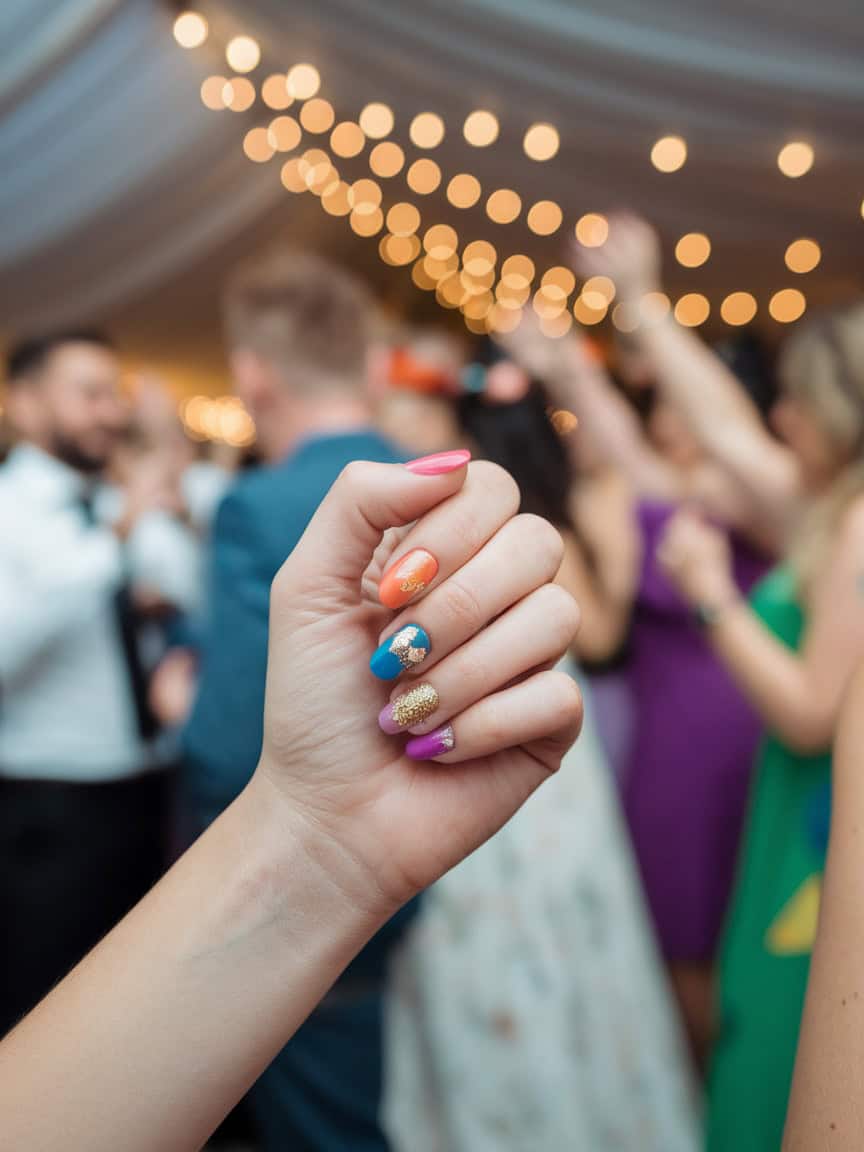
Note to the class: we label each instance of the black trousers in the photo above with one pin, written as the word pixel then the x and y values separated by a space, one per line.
pixel 74 858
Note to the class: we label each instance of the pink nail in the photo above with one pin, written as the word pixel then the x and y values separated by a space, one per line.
pixel 439 463
pixel 434 744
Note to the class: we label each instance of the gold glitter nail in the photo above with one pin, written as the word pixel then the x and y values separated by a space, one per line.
pixel 414 706
pixel 402 648
pixel 412 584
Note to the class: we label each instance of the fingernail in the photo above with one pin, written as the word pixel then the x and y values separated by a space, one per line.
pixel 439 463
pixel 412 707
pixel 403 650
pixel 407 577
pixel 432 744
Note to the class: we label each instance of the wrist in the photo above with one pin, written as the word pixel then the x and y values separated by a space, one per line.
pixel 710 611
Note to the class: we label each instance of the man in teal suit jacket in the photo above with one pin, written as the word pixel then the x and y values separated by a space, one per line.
pixel 297 331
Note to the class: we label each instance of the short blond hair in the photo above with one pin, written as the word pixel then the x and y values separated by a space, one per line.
pixel 305 315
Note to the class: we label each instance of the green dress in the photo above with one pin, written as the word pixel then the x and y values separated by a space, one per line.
pixel 771 928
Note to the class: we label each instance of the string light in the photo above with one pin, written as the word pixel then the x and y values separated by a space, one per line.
pixel 563 422
pixel 441 241
pixel 303 81
pixel 544 217
pixel 450 293
pixel 509 297
pixel 480 128
pixel 558 282
pixel 427 130
pixel 555 327
pixel 239 94
pixel 503 206
pixel 479 306
pixel 541 142
pixel 292 178
pixel 275 94
pixel 423 177
pixel 803 255
pixel 787 305
pixel 599 287
pixel 284 133
pixel 692 310
pixel 421 277
pixel 479 257
pixel 403 220
pixel 592 230
pixel 439 268
pixel 588 315
pixel 669 154
pixel 386 159
pixel 398 250
pixel 213 93
pixel 463 191
pixel 336 200
pixel 376 120
pixel 190 30
pixel 738 308
pixel 243 54
pixel 476 284
pixel 257 145
pixel 347 139
pixel 317 116
pixel 693 250
pixel 547 306
pixel 517 271
pixel 504 319
pixel 367 223
pixel 795 159
pixel 365 196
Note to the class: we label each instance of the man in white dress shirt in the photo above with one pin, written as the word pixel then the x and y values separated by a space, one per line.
pixel 82 811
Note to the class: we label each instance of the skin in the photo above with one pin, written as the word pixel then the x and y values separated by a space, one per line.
pixel 162 1028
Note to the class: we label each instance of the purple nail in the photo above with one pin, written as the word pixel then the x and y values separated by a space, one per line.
pixel 432 744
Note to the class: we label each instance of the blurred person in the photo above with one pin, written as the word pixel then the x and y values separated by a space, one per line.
pixel 297 330
pixel 82 809
pixel 531 1009
pixel 687 766
pixel 167 1022
pixel 414 382
pixel 791 651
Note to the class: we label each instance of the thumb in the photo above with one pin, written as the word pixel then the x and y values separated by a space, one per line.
pixel 366 500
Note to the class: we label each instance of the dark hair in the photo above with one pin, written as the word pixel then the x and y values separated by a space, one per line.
pixel 27 357
pixel 520 438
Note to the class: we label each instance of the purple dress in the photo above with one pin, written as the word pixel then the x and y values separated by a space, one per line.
pixel 694 744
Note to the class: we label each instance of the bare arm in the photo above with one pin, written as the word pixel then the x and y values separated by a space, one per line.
pixel 690 376
pixel 797 694
pixel 825 1108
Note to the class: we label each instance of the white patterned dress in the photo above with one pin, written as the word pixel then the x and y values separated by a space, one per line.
pixel 529 1011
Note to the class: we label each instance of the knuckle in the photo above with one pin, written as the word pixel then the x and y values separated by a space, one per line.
pixel 462 605
pixel 498 482
pixel 562 610
pixel 354 475
pixel 542 539
pixel 568 699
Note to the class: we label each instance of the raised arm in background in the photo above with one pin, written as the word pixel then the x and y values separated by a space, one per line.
pixel 695 380
pixel 825 1113
pixel 161 1029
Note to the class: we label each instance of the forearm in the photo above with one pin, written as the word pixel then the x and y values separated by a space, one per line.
pixel 773 678
pixel 164 1026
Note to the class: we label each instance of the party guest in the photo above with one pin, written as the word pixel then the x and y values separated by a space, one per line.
pixel 81 810
pixel 792 650
pixel 297 329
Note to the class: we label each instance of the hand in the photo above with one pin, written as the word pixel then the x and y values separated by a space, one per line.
pixel 604 513
pixel 151 485
pixel 697 558
pixel 630 258
pixel 542 357
pixel 172 687
pixel 388 824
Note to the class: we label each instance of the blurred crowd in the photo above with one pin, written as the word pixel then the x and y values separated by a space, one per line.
pixel 623 966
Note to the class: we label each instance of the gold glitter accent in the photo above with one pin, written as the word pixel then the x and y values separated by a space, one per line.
pixel 415 706
pixel 402 649
pixel 447 739
pixel 412 584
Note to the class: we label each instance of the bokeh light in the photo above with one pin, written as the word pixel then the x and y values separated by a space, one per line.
pixel 464 190
pixel 291 176
pixel 239 94
pixel 213 93
pixel 303 81
pixel 787 305
pixel 738 308
pixel 803 255
pixel 274 92
pixel 503 206
pixel 541 142
pixel 403 220
pixel 693 250
pixel 669 154
pixel 190 30
pixel 347 139
pixel 692 310
pixel 317 115
pixel 598 288
pixel 336 199
pixel 441 241
pixel 592 230
pixel 558 282
pixel 588 315
pixel 386 159
pixel 544 217
pixel 427 130
pixel 365 196
pixel 421 277
pixel 795 159
pixel 257 145
pixel 423 177
pixel 554 327
pixel 376 120
pixel 284 133
pixel 479 257
pixel 504 319
pixel 367 223
pixel 517 271
pixel 398 250
pixel 243 54
pixel 481 128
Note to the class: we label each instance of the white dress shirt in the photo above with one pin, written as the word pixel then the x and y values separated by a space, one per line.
pixel 67 709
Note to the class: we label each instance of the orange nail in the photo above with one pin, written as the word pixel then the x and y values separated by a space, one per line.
pixel 408 576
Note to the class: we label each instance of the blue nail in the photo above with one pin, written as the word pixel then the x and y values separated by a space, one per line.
pixel 400 652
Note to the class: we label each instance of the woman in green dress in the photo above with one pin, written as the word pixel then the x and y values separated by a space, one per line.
pixel 792 651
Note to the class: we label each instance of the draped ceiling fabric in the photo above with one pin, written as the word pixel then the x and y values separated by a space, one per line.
pixel 123 199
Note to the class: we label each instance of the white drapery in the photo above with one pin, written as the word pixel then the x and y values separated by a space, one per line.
pixel 115 178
